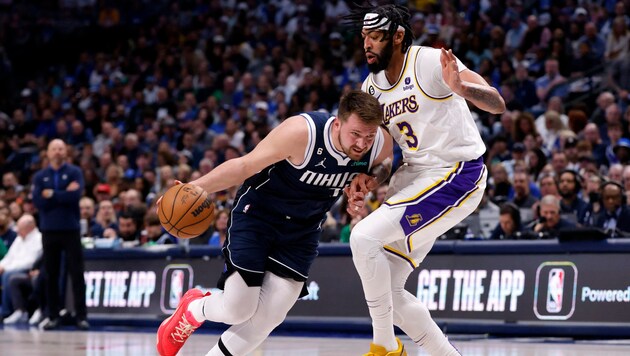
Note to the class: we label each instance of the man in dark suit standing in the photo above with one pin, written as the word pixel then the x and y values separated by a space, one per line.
pixel 56 194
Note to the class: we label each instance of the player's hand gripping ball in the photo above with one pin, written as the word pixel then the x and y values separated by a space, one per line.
pixel 186 211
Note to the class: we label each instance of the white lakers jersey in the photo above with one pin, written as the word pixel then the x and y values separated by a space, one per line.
pixel 432 125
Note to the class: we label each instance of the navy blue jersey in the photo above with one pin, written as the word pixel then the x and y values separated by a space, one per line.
pixel 307 192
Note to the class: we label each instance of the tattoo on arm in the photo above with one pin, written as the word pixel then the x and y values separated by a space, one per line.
pixel 485 97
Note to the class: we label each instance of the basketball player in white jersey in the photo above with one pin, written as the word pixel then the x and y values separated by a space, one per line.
pixel 423 92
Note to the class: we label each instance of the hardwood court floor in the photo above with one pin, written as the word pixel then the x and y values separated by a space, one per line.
pixel 27 342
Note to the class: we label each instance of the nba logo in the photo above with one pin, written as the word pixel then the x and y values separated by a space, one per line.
pixel 177 288
pixel 555 290
pixel 176 280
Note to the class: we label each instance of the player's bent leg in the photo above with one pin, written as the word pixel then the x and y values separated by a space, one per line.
pixel 413 317
pixel 371 263
pixel 277 297
pixel 236 304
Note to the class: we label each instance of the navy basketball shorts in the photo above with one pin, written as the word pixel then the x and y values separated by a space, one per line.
pixel 258 243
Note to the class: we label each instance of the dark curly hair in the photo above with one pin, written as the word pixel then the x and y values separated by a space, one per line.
pixel 396 14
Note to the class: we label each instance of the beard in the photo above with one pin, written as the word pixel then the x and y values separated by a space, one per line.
pixel 348 151
pixel 382 59
pixel 565 195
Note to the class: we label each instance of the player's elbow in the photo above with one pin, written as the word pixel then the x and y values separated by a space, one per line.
pixel 499 107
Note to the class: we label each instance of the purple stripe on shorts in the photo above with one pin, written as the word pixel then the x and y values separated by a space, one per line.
pixel 442 200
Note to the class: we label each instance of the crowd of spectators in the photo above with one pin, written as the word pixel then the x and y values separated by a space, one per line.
pixel 148 92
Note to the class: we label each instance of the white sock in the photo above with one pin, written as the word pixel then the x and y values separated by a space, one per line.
pixel 196 309
pixel 372 265
pixel 413 317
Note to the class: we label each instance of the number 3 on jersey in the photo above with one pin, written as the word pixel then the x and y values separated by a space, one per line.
pixel 405 129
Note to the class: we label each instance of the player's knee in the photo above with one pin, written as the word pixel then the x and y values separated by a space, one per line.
pixel 271 318
pixel 239 313
pixel 361 243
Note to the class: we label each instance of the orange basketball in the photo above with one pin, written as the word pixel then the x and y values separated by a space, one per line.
pixel 186 211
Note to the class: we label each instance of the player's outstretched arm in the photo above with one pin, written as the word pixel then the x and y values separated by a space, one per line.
pixel 288 140
pixel 470 85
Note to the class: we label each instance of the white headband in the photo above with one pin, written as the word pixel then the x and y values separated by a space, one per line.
pixel 370 22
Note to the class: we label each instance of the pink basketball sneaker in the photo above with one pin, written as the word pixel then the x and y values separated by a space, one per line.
pixel 175 330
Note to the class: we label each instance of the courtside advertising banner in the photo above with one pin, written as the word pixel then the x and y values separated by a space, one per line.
pixel 502 288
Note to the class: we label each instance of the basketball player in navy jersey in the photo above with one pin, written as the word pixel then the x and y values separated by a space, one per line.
pixel 423 92
pixel 289 182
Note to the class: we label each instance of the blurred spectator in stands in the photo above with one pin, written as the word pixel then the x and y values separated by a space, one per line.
pixel 104 160
pixel 622 151
pixel 114 179
pixel 102 192
pixel 577 121
pixel 87 212
pixel 377 197
pixel 517 30
pixel 220 227
pixel 536 160
pixel 614 133
pixel 591 134
pixel 500 183
pixel 604 99
pixel 593 40
pixel 537 35
pixel 509 226
pixel 615 173
pixel 153 233
pixel 549 223
pixel 499 149
pixel 613 116
pixel 9 180
pixel 524 87
pixel 21 257
pixel 552 83
pixel 133 205
pixel 477 52
pixel 518 157
pixel 7 233
pixel 570 150
pixel 15 210
pixel 588 165
pixel 615 9
pixel 505 125
pixel 128 231
pixel 614 217
pixel 584 62
pixel 523 125
pixel 548 185
pixel 618 40
pixel 559 162
pixel 105 218
pixel 572 207
pixel 108 16
pixel 27 294
pixel 551 132
pixel 193 148
pixel 591 192
pixel 523 199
